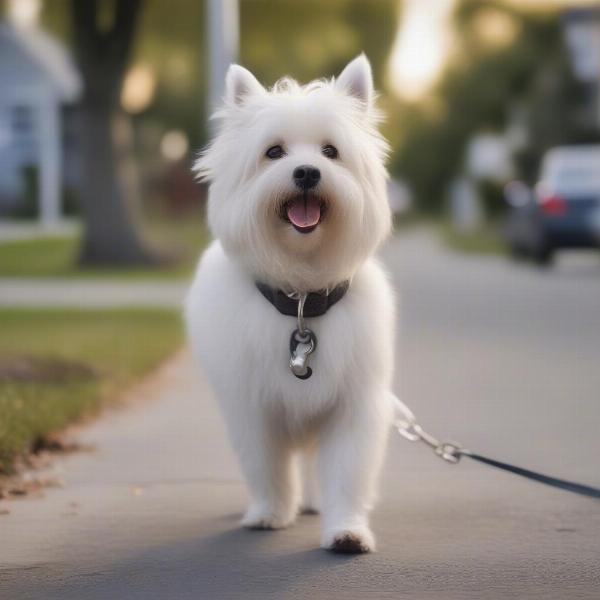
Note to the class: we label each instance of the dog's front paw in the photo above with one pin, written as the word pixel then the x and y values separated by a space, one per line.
pixel 354 540
pixel 260 518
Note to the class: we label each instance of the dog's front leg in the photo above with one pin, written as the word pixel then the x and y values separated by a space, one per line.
pixel 270 472
pixel 351 452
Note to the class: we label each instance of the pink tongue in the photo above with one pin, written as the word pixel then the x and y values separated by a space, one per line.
pixel 304 212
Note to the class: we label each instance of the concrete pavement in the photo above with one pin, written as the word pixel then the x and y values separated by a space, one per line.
pixel 26 230
pixel 500 357
pixel 90 293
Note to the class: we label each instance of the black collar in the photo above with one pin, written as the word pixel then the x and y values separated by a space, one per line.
pixel 317 303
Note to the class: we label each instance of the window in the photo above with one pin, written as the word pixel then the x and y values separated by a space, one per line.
pixel 21 120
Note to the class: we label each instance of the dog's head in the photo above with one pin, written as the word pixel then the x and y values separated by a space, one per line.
pixel 298 184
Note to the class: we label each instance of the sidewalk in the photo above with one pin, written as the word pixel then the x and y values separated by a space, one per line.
pixel 500 360
pixel 90 293
pixel 27 230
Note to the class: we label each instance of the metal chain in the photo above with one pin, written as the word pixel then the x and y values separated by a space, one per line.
pixel 301 298
pixel 301 301
pixel 407 426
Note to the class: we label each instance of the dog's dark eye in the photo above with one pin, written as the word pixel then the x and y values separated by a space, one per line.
pixel 275 152
pixel 329 151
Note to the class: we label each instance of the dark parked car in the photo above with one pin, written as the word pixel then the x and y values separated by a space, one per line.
pixel 562 211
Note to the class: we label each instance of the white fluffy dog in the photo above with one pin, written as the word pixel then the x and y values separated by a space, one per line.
pixel 298 206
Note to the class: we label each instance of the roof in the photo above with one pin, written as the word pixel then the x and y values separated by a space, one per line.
pixel 49 54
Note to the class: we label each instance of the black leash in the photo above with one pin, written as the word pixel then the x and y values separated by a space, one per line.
pixel 452 452
pixel 561 484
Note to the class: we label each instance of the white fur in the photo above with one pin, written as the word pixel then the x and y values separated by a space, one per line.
pixel 339 418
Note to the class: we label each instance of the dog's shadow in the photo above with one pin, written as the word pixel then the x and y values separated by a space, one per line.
pixel 232 563
pixel 250 543
pixel 271 563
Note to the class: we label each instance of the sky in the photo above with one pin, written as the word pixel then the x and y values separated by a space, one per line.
pixel 24 12
pixel 421 43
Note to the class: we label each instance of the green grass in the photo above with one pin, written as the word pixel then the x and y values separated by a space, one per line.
pixel 57 256
pixel 483 240
pixel 37 257
pixel 105 350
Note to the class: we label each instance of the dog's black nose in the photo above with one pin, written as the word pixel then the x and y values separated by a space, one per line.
pixel 306 177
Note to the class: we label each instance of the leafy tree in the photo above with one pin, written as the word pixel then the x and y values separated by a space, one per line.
pixel 311 38
pixel 171 39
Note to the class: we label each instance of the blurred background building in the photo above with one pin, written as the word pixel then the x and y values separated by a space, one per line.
pixel 39 84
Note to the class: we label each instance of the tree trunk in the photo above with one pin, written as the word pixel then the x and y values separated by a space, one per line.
pixel 110 236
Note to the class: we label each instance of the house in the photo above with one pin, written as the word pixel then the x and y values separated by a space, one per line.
pixel 37 82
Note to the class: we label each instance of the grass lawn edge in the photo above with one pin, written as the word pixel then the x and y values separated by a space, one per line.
pixel 123 345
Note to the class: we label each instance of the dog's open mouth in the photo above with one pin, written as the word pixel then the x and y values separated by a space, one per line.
pixel 304 212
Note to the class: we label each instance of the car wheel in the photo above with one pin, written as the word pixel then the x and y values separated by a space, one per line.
pixel 543 257
pixel 517 253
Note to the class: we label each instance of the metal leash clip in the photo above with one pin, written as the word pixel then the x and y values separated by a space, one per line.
pixel 408 428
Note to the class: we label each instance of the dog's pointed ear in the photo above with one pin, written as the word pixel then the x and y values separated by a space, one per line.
pixel 357 80
pixel 240 84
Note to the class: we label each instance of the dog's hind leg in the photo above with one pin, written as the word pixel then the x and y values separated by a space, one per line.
pixel 311 501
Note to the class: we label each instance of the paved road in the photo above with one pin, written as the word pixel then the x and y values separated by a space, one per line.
pixel 503 358
pixel 89 293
